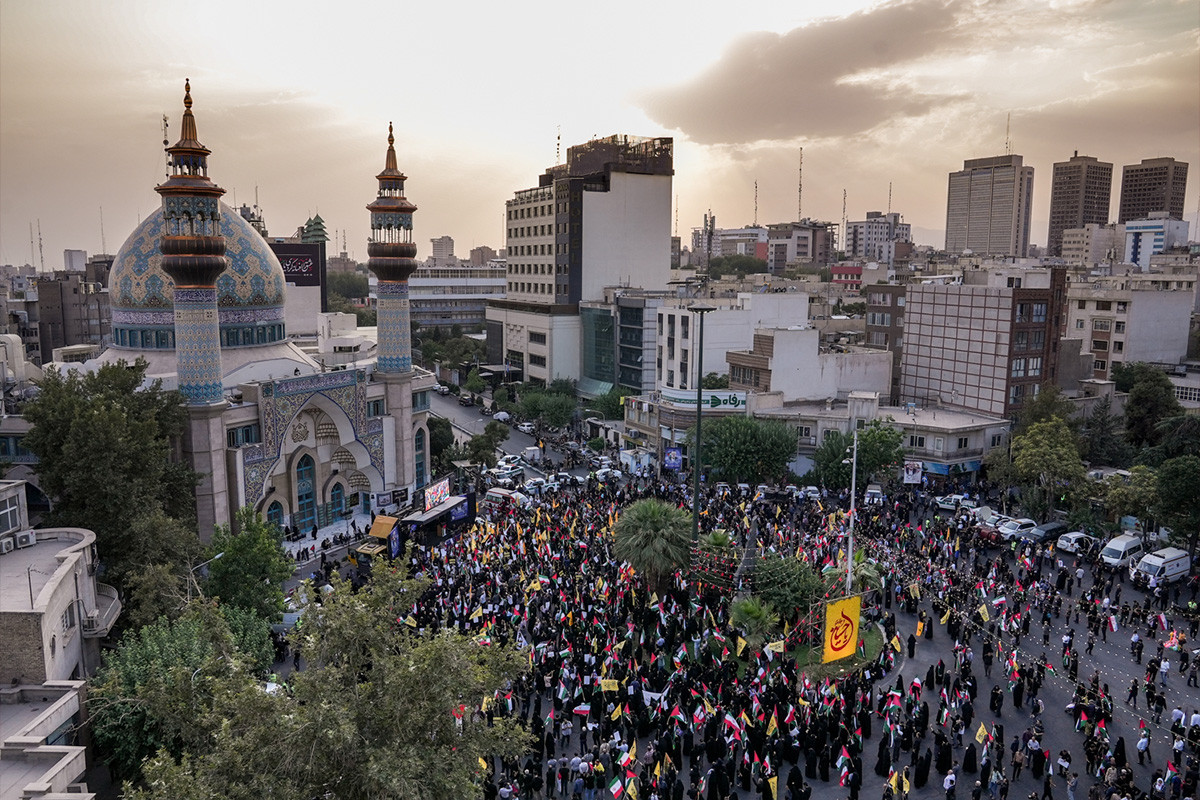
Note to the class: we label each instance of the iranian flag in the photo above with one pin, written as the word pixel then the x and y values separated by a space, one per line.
pixel 583 709
pixel 616 786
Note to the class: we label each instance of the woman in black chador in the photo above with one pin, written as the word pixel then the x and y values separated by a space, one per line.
pixel 884 762
pixel 823 764
pixel 970 760
pixel 941 753
pixel 922 772
pixel 810 763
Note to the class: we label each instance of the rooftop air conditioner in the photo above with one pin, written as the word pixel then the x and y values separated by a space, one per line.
pixel 7 543
pixel 26 539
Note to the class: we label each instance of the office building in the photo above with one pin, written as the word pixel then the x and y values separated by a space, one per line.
pixel 444 296
pixel 806 242
pixel 1093 245
pixel 601 219
pixel 988 207
pixel 1156 184
pixel 71 311
pixel 442 249
pixel 875 238
pixel 1080 195
pixel 1122 318
pixel 986 345
pixel 1148 237
pixel 481 255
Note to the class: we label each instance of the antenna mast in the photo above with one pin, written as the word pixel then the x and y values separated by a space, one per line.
pixel 800 188
pixel 843 218
pixel 103 246
pixel 677 216
pixel 889 197
pixel 166 143
pixel 41 255
pixel 558 147
pixel 32 256
pixel 756 204
pixel 1007 135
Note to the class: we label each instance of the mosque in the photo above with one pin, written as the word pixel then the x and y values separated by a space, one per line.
pixel 197 292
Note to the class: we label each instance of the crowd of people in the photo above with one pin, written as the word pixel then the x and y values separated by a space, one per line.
pixel 651 691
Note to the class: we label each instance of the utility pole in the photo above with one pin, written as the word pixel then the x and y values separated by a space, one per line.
pixel 853 515
pixel 800 188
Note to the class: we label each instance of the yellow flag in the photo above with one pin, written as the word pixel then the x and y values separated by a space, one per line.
pixel 487 703
pixel 907 785
pixel 534 586
pixel 741 645
pixel 945 617
pixel 775 647
pixel 708 707
pixel 631 790
pixel 772 725
pixel 633 751
pixel 841 628
pixel 774 781
pixel 410 621
pixel 801 701
pixel 477 613
pixel 920 628
pixel 616 712
pixel 657 768
pixel 914 591
pixel 654 598
pixel 483 765
pixel 981 734
pixel 896 643
pixel 983 612
pixel 608 685
pixel 895 781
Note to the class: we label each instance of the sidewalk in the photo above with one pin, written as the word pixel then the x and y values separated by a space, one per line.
pixel 341 527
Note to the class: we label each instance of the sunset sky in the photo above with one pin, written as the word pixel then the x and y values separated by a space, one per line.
pixel 294 99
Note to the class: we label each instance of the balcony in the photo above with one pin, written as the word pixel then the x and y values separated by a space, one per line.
pixel 97 624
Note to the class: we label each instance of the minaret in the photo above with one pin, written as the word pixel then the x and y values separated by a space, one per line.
pixel 392 259
pixel 193 254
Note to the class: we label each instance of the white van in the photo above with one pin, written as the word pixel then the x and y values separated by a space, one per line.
pixel 1167 565
pixel 1122 551
pixel 874 495
pixel 504 499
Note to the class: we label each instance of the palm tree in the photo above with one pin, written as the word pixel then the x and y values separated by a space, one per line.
pixel 756 619
pixel 655 539
pixel 864 575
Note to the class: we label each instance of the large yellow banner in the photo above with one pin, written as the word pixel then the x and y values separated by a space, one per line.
pixel 841 628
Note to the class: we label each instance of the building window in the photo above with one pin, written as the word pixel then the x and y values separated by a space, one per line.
pixel 337 498
pixel 1099 365
pixel 916 441
pixel 376 408
pixel 997 438
pixel 245 434
pixel 10 514
pixel 68 618
pixel 1119 327
pixel 828 433
pixel 671 377
pixel 420 401
pixel 962 442
pixel 938 443
pixel 683 328
pixel 536 337
pixel 275 515
pixel 1016 394
pixel 1035 367
pixel 536 360
pixel 306 505
pixel 1122 306
pixel 1018 368
pixel 1020 340
pixel 1099 345
pixel 1101 324
pixel 419 456
pixel 805 431
pixel 1104 305
pixel 1079 324
pixel 1081 305
pixel 1118 347
pixel 1039 312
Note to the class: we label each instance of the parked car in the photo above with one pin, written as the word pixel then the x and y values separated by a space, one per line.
pixel 1076 542
pixel 600 462
pixel 509 461
pixel 952 502
pixel 535 485
pixel 811 492
pixel 466 400
pixel 1047 531
pixel 744 489
pixel 502 416
pixel 443 389
pixel 608 475
pixel 1015 528
pixel 1122 551
pixel 526 427
pixel 567 479
pixel 874 495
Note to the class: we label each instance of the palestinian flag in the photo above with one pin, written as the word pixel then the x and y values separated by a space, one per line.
pixel 677 714
pixel 1082 721
pixel 550 716
pixel 1172 769
pixel 616 786
pixel 844 759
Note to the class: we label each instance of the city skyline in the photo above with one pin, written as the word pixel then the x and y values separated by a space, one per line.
pixel 295 106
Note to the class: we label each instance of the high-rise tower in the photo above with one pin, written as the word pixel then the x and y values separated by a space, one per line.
pixel 193 254
pixel 1079 195
pixel 1156 184
pixel 988 207
pixel 392 259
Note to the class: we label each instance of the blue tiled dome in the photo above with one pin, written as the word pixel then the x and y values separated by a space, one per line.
pixel 250 292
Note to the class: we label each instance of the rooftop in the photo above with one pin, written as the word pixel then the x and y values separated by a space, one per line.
pixel 24 571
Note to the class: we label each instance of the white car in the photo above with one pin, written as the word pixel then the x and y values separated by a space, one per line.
pixel 535 485
pixel 508 461
pixel 1015 528
pixel 526 427
pixel 1076 542
pixel 608 475
pixel 811 492
pixel 502 416
pixel 952 502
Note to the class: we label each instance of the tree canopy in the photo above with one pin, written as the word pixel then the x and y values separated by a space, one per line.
pixel 1151 400
pixel 879 448
pixel 655 538
pixel 1179 497
pixel 739 448
pixel 383 709
pixel 1047 457
pixel 252 566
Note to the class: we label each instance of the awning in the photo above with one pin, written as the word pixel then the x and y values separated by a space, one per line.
pixel 436 511
pixel 381 528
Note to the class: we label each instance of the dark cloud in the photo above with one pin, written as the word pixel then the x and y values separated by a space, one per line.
pixel 802 83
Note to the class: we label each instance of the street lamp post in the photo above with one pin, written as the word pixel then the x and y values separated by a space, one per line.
pixel 700 309
pixel 192 573
pixel 853 514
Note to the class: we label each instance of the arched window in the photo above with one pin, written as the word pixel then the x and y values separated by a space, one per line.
pixel 306 504
pixel 337 498
pixel 419 456
pixel 275 515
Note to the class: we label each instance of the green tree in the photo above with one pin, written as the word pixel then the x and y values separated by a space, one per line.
pixel 1151 400
pixel 1001 473
pixel 1133 496
pixel 381 711
pixel 95 431
pixel 756 619
pixel 880 448
pixel 611 405
pixel 1179 499
pixel 1102 442
pixel 864 574
pixel 739 448
pixel 655 538
pixel 712 381
pixel 562 386
pixel 154 688
pixel 348 284
pixel 474 383
pixel 252 567
pixel 482 449
pixel 1047 456
pixel 1049 403
pixel 557 410
pixel 1178 435
pixel 441 437
pixel 788 584
pixel 741 266
pixel 1128 374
